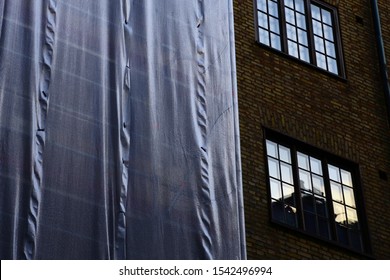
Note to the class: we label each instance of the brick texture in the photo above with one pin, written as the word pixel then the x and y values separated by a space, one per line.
pixel 346 117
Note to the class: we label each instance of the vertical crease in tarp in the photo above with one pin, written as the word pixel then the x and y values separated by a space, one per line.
pixel 120 244
pixel 205 207
pixel 41 109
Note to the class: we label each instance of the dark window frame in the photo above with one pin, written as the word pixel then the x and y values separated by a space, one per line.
pixel 339 57
pixel 326 158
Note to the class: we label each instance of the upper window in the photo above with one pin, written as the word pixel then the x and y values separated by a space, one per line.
pixel 314 192
pixel 305 29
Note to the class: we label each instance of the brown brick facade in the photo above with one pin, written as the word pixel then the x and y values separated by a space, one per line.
pixel 345 117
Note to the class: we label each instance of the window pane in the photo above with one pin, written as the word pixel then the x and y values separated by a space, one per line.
pixel 264 36
pixel 286 173
pixel 272 149
pixel 319 44
pixel 292 49
pixel 310 223
pixel 315 12
pixel 334 173
pixel 299 6
pixel 275 42
pixel 273 8
pixel 326 17
pixel 301 21
pixel 332 65
pixel 337 194
pixel 328 33
pixel 273 166
pixel 330 49
pixel 356 241
pixel 288 191
pixel 349 197
pixel 262 5
pixel 339 213
pixel 323 227
pixel 303 161
pixel 304 53
pixel 284 154
pixel 315 165
pixel 277 211
pixel 289 3
pixel 276 192
pixel 302 37
pixel 304 180
pixel 318 185
pixel 321 206
pixel 352 218
pixel 317 28
pixel 290 17
pixel 262 20
pixel 274 25
pixel 321 60
pixel 346 178
pixel 291 32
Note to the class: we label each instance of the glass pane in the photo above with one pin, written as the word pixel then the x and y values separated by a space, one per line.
pixel 288 191
pixel 292 49
pixel 315 165
pixel 337 194
pixel 303 161
pixel 352 218
pixel 262 20
pixel 291 32
pixel 273 8
pixel 299 6
pixel 315 12
pixel 332 65
pixel 349 197
pixel 323 227
pixel 334 173
pixel 304 53
pixel 273 166
pixel 326 17
pixel 276 192
pixel 328 32
pixel 301 21
pixel 277 210
pixel 317 28
pixel 318 185
pixel 264 36
pixel 262 5
pixel 304 180
pixel 290 213
pixel 308 202
pixel 284 154
pixel 319 44
pixel 274 25
pixel 290 17
pixel 310 222
pixel 356 241
pixel 289 3
pixel 346 178
pixel 272 149
pixel 302 37
pixel 321 60
pixel 275 42
pixel 339 213
pixel 286 173
pixel 330 49
pixel 321 206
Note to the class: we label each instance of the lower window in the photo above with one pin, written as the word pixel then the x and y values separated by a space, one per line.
pixel 314 192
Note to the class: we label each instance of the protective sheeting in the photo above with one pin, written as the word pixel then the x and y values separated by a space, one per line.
pixel 119 130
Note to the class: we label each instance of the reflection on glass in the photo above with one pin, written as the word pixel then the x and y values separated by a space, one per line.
pixel 289 3
pixel 263 36
pixel 274 25
pixel 321 61
pixel 352 217
pixel 330 49
pixel 334 173
pixel 304 179
pixel 262 5
pixel 292 49
pixel 323 227
pixel 332 65
pixel 315 12
pixel 290 17
pixel 275 42
pixel 284 154
pixel 299 6
pixel 310 222
pixel 304 53
pixel 326 17
pixel 317 28
pixel 308 202
pixel 273 8
pixel 339 213
pixel 273 166
pixel 302 37
pixel 321 206
pixel 337 194
pixel 315 165
pixel 288 191
pixel 346 178
pixel 286 173
pixel 303 161
pixel 272 149
pixel 262 20
pixel 349 197
pixel 301 21
pixel 318 185
pixel 328 32
pixel 291 32
pixel 319 44
pixel 275 189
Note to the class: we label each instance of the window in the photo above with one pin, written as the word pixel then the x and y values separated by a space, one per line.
pixel 314 192
pixel 305 29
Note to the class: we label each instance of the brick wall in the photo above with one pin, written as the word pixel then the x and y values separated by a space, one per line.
pixel 346 117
